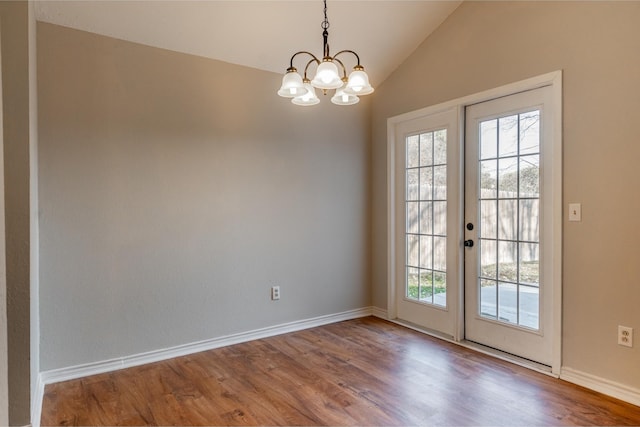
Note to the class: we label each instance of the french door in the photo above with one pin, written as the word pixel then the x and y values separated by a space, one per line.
pixel 508 283
pixel 475 219
pixel 427 256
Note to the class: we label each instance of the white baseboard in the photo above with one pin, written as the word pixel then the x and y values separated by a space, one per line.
pixel 74 372
pixel 380 312
pixel 602 385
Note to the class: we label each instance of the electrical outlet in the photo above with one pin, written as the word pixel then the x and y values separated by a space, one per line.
pixel 625 336
pixel 275 292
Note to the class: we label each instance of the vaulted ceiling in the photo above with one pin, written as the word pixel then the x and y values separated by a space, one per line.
pixel 261 34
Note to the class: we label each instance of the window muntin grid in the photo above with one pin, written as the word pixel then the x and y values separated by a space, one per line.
pixel 426 217
pixel 509 226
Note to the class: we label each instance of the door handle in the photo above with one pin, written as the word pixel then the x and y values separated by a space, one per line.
pixel 468 243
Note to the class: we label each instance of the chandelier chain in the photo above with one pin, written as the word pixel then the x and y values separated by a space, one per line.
pixel 325 23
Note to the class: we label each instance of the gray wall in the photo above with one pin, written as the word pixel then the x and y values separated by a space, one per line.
pixel 4 329
pixel 484 45
pixel 14 24
pixel 169 208
pixel 176 190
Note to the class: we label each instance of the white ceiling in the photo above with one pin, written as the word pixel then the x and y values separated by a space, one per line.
pixel 261 34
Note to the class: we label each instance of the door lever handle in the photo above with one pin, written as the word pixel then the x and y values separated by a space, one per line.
pixel 468 243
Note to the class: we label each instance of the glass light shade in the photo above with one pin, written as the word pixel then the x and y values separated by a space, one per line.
pixel 358 83
pixel 292 85
pixel 327 76
pixel 308 98
pixel 343 98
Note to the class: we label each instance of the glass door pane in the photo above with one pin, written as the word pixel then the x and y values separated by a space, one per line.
pixel 508 235
pixel 426 217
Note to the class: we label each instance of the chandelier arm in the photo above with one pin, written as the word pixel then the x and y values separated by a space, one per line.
pixel 349 51
pixel 309 63
pixel 299 53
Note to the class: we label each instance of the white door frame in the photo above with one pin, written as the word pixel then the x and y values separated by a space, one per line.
pixel 553 79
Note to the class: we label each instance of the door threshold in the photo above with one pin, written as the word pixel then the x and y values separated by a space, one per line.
pixel 422 329
pixel 489 351
pixel 508 357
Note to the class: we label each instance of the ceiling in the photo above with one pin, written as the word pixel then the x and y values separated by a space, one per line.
pixel 261 34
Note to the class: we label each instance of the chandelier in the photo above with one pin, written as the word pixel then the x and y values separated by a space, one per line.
pixel 301 89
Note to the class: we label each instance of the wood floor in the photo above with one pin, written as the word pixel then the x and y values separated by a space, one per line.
pixel 360 372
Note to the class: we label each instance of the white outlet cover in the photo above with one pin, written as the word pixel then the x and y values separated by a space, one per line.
pixel 625 336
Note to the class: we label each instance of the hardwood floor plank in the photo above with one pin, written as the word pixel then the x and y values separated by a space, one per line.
pixel 360 372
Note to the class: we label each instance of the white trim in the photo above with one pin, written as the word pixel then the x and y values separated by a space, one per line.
pixel 74 372
pixel 548 79
pixel 557 201
pixel 34 229
pixel 610 388
pixel 553 79
pixel 392 309
pixel 36 402
pixel 380 313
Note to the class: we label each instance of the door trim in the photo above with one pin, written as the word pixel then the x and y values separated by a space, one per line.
pixel 552 79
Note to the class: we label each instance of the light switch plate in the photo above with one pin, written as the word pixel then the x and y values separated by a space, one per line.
pixel 575 212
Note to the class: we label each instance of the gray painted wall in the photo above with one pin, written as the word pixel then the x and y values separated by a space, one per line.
pixel 484 45
pixel 4 329
pixel 168 209
pixel 175 190
pixel 14 24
